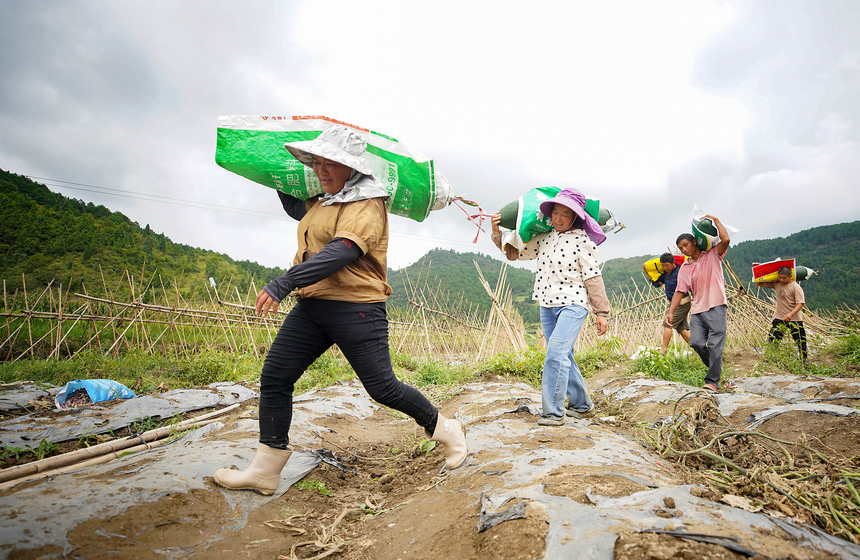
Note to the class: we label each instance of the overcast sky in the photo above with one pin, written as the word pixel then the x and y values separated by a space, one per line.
pixel 748 109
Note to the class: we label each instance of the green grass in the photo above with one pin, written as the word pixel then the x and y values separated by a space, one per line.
pixel 171 371
pixel 421 372
pixel 527 365
pixel 327 370
pixel 681 367
pixel 846 351
pixel 605 353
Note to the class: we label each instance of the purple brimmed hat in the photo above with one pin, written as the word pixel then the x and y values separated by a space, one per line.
pixel 575 200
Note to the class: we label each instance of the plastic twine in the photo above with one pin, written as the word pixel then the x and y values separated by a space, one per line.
pixel 477 219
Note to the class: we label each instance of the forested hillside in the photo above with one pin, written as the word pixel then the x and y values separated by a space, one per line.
pixel 46 236
pixel 618 273
pixel 829 250
pixel 454 274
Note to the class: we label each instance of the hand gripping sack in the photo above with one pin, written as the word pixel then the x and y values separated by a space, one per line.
pixel 253 147
pixel 705 231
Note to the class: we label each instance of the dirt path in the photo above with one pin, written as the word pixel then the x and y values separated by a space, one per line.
pixel 587 487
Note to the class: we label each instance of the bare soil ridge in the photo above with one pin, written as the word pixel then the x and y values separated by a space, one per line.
pixel 587 488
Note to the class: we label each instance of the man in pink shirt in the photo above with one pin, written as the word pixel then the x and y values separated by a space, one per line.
pixel 703 274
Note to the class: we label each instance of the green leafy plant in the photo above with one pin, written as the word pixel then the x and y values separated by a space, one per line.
pixel 45 448
pixel 144 424
pixel 310 484
pixel 84 439
pixel 9 451
pixel 426 446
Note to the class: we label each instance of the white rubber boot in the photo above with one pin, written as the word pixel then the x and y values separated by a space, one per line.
pixel 263 475
pixel 449 432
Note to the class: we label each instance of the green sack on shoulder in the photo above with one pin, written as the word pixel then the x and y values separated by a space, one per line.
pixel 705 231
pixel 253 147
pixel 525 218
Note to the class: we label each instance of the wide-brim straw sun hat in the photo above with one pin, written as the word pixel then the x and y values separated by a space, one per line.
pixel 575 200
pixel 336 143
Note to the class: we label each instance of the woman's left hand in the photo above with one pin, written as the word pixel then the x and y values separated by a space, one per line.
pixel 264 303
pixel 602 325
pixel 495 221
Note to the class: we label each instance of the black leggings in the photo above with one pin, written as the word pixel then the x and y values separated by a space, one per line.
pixel 798 333
pixel 360 330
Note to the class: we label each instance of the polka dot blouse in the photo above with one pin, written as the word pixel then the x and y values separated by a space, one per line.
pixel 564 262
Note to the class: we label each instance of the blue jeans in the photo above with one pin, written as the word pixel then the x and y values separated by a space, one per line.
pixel 561 375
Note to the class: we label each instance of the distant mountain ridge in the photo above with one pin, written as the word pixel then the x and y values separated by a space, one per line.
pixel 45 236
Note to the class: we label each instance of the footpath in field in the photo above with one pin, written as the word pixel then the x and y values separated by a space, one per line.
pixel 584 490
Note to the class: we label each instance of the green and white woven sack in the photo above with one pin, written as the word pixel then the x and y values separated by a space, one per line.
pixel 253 147
pixel 525 220
pixel 705 231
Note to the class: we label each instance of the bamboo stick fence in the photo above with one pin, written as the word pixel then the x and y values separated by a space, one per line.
pixel 57 323
pixel 145 316
pixel 438 325
pixel 138 315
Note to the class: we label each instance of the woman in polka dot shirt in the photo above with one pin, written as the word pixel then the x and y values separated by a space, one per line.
pixel 568 282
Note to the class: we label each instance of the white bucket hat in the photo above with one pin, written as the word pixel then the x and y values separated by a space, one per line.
pixel 337 143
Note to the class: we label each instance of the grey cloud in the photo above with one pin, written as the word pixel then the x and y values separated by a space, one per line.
pixel 67 61
pixel 797 63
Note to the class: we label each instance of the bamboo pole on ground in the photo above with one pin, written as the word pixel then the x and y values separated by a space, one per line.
pixel 85 464
pixel 75 457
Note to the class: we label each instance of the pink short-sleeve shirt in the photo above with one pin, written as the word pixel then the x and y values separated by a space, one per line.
pixel 705 278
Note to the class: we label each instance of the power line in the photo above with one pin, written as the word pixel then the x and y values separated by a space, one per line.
pixel 156 198
pixel 59 183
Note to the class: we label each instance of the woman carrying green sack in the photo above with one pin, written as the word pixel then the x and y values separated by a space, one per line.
pixel 339 273
pixel 568 282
